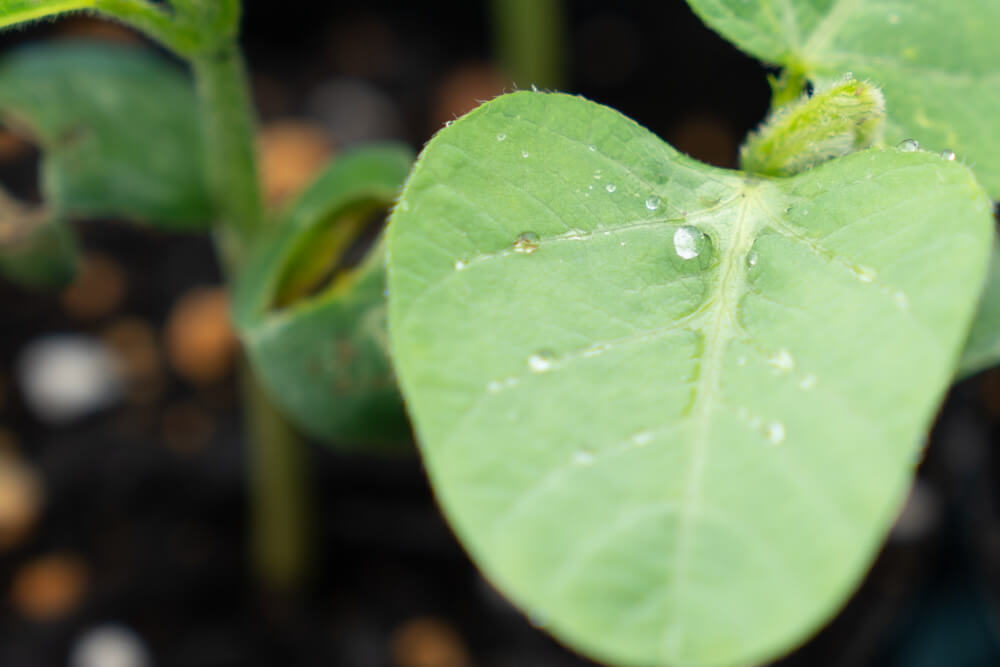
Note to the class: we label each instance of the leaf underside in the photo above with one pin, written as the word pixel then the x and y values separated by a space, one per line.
pixel 938 63
pixel 669 409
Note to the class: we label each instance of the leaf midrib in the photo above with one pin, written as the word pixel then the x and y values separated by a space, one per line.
pixel 720 329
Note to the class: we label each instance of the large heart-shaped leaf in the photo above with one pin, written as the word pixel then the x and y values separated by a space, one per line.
pixel 670 409
pixel 937 62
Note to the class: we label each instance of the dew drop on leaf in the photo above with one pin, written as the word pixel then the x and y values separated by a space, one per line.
pixel 501 136
pixel 652 203
pixel 460 264
pixel 782 361
pixel 807 382
pixel 752 259
pixel 948 155
pixel 686 242
pixel 526 243
pixel 610 187
pixel 775 433
pixel 525 154
pixel 540 361
pixel 908 145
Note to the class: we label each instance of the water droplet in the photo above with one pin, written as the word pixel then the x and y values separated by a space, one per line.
pixel 908 145
pixel 591 148
pixel 460 264
pixel 901 301
pixel 808 382
pixel 782 361
pixel 948 155
pixel 610 187
pixel 526 243
pixel 686 242
pixel 775 433
pixel 525 154
pixel 540 361
pixel 583 457
pixel 865 274
pixel 752 259
pixel 652 203
pixel 534 88
pixel 448 123
pixel 501 136
pixel 642 438
pixel 597 174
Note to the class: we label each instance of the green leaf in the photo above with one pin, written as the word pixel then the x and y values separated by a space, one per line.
pixel 938 63
pixel 319 344
pixel 669 409
pixel 118 130
pixel 982 349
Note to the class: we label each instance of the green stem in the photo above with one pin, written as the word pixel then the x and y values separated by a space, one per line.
pixel 278 479
pixel 278 494
pixel 531 41
pixel 230 157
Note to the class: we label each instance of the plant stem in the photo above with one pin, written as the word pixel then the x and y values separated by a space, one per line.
pixel 530 40
pixel 278 494
pixel 277 474
pixel 230 157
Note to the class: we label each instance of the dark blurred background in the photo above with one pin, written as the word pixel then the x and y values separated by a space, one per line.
pixel 123 503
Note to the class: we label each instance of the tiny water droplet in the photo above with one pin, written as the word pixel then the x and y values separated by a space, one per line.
pixel 653 203
pixel 526 243
pixel 540 361
pixel 501 136
pixel 741 361
pixel 775 433
pixel 865 274
pixel 597 174
pixel 583 457
pixel 525 154
pixel 686 242
pixel 642 438
pixel 591 148
pixel 460 264
pixel 752 259
pixel 493 386
pixel 610 187
pixel 782 361
pixel 908 145
pixel 808 382
pixel 901 301
pixel 948 155
pixel 448 123
pixel 534 88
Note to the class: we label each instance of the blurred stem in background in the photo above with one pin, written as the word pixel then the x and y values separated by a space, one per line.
pixel 279 485
pixel 530 41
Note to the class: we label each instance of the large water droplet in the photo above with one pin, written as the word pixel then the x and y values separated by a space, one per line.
pixel 610 187
pixel 908 145
pixel 948 155
pixel 652 202
pixel 526 243
pixel 541 361
pixel 686 242
pixel 775 433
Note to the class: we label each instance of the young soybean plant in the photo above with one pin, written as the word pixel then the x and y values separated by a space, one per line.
pixel 673 410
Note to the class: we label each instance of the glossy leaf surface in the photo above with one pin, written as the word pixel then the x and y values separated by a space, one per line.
pixel 118 129
pixel 938 63
pixel 671 410
pixel 319 342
